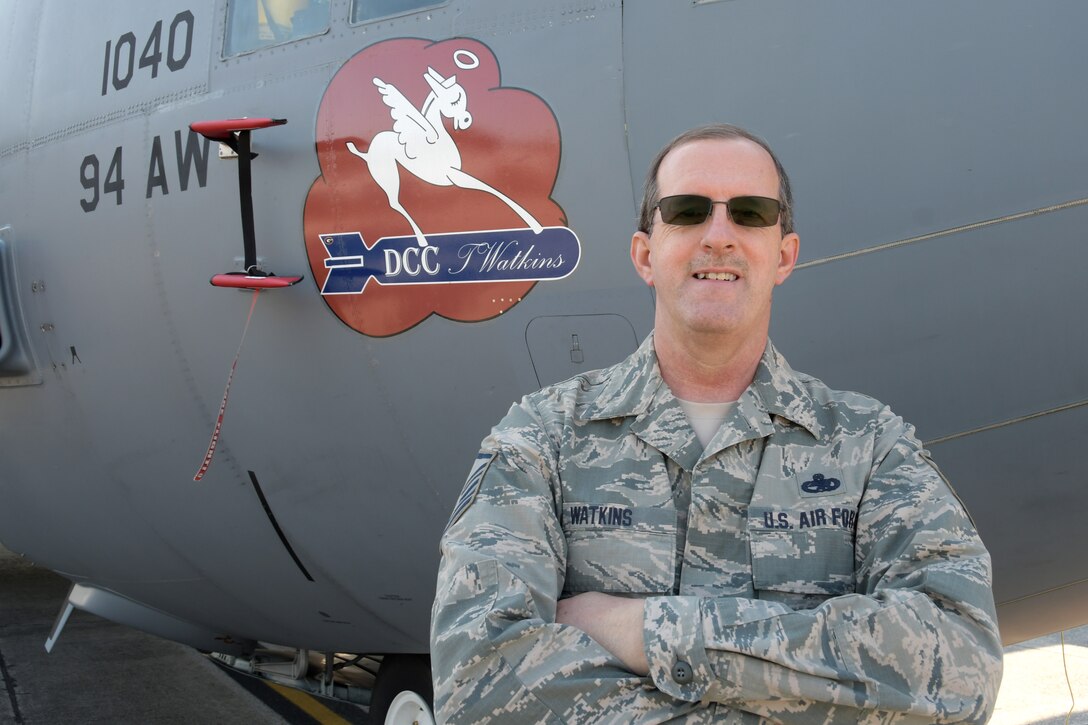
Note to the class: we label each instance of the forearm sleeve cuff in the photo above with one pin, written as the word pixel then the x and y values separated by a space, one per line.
pixel 672 633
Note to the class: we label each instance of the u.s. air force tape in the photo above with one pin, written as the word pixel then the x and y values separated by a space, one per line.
pixel 472 485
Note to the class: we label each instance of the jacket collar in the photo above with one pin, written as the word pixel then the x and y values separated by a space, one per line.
pixel 636 389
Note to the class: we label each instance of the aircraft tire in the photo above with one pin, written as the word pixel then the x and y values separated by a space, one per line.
pixel 403 692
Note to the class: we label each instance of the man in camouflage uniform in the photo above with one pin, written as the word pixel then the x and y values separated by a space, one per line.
pixel 614 558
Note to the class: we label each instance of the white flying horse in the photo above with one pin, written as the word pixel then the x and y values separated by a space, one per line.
pixel 420 143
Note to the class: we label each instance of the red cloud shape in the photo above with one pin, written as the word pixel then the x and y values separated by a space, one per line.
pixel 512 145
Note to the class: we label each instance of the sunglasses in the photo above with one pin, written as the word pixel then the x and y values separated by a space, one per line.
pixel 687 210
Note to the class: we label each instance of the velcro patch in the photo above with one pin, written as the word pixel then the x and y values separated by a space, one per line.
pixel 472 485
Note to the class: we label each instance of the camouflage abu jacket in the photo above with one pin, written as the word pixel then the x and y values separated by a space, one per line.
pixel 811 565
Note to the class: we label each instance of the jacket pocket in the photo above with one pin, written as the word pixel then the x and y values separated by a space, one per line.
pixel 812 561
pixel 613 553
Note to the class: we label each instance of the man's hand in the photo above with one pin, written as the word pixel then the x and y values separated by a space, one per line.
pixel 614 622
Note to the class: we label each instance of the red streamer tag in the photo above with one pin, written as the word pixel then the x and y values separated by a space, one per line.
pixel 226 393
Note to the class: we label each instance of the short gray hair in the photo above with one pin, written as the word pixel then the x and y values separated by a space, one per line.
pixel 717 131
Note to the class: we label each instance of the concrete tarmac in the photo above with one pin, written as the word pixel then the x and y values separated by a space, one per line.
pixel 100 672
pixel 1035 689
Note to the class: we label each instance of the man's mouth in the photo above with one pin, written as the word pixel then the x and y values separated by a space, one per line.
pixel 720 276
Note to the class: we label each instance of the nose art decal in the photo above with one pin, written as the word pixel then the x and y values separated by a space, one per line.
pixel 434 194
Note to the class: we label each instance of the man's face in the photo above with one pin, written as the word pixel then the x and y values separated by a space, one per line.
pixel 680 261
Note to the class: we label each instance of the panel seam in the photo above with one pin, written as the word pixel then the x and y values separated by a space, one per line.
pixel 945 232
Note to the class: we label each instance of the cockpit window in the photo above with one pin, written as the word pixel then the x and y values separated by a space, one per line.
pixel 253 24
pixel 365 10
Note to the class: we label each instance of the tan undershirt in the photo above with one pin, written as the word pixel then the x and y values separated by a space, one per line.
pixel 706 418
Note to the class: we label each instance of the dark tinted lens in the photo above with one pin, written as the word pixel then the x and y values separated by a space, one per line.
pixel 753 211
pixel 684 210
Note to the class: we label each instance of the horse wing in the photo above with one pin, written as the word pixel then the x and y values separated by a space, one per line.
pixel 414 131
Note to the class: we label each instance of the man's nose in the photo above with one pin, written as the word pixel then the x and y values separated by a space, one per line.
pixel 719 230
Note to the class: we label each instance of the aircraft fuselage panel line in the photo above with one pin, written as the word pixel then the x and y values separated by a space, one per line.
pixel 1067 585
pixel 276 526
pixel 1005 423
pixel 1058 606
pixel 946 232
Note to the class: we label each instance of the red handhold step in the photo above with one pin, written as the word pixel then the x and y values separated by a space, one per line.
pixel 241 280
pixel 225 129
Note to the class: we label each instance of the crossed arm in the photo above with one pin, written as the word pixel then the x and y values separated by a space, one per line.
pixel 615 623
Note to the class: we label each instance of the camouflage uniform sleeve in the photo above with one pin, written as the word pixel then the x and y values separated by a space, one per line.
pixel 497 653
pixel 917 642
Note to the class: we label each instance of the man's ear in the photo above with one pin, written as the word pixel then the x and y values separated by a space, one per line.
pixel 787 256
pixel 640 257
